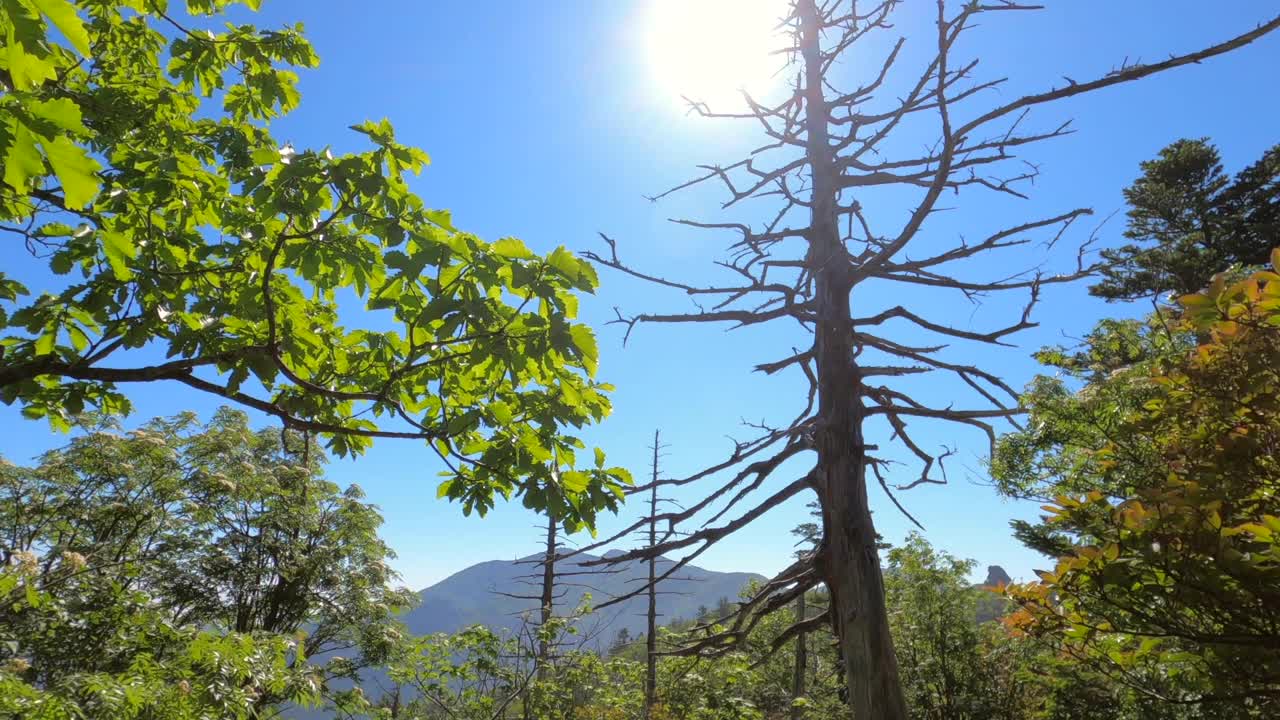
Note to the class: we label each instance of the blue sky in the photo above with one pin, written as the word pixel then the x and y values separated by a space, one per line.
pixel 544 121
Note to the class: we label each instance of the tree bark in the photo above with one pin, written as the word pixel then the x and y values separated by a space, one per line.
pixel 850 560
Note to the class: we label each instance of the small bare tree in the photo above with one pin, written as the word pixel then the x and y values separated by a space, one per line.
pixel 810 534
pixel 546 583
pixel 548 596
pixel 828 151
pixel 549 581
pixel 544 590
pixel 651 588
pixel 650 585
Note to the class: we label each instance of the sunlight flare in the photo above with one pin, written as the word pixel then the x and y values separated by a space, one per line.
pixel 710 50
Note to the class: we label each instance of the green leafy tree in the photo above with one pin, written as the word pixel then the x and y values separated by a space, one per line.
pixel 480 674
pixel 1188 220
pixel 1168 526
pixel 1082 407
pixel 163 672
pixel 616 692
pixel 1032 678
pixel 810 535
pixel 177 543
pixel 475 674
pixel 933 612
pixel 139 163
pixel 957 666
pixel 701 689
pixel 778 658
pixel 587 686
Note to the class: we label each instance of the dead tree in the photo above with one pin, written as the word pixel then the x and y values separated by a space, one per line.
pixel 548 636
pixel 548 597
pixel 829 155
pixel 545 590
pixel 651 589
pixel 544 577
pixel 549 581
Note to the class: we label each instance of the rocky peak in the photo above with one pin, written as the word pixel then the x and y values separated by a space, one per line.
pixel 996 576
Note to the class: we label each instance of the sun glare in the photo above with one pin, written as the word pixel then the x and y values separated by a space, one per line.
pixel 709 50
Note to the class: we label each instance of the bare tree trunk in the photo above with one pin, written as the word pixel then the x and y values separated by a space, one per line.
pixel 802 662
pixel 548 597
pixel 651 636
pixel 850 562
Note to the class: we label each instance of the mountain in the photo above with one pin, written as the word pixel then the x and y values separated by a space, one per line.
pixel 481 594
pixel 993 605
pixel 474 596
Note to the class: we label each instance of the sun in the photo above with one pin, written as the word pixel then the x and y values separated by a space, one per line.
pixel 710 50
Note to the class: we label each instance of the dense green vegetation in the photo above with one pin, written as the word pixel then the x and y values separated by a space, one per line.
pixel 180 569
pixel 192 567
pixel 1161 482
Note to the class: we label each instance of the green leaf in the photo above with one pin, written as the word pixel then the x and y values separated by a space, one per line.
pixel 62 113
pixel 11 289
pixel 443 488
pixel 574 481
pixel 565 262
pixel 45 341
pixel 75 170
pixel 501 412
pixel 63 15
pixel 119 249
pixel 585 342
pixel 24 39
pixel 443 219
pixel 79 340
pixel 512 248
pixel 22 159
pixel 266 156
pixel 572 397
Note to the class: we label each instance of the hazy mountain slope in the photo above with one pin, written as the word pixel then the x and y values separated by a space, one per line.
pixel 473 596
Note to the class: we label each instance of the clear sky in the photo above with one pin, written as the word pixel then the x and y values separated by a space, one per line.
pixel 552 120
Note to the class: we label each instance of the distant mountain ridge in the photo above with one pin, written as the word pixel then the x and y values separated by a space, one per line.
pixel 474 596
pixel 481 594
